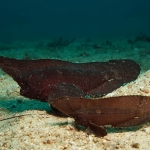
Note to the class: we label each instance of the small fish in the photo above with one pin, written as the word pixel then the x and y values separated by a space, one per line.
pixel 95 114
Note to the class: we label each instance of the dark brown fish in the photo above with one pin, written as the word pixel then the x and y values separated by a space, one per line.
pixel 123 111
pixel 66 84
pixel 40 79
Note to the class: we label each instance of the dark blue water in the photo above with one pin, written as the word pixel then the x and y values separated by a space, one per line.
pixel 44 19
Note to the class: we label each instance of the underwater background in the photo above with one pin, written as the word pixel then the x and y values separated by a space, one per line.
pixel 77 31
pixel 47 19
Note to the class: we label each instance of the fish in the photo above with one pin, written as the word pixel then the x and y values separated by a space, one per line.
pixel 97 113
pixel 66 86
pixel 45 78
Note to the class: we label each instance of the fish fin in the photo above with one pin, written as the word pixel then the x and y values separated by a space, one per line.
pixel 96 130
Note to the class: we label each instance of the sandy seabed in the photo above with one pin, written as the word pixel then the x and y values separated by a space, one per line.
pixel 37 128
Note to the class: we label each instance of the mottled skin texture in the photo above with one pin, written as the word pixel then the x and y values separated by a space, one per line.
pixel 65 85
pixel 40 79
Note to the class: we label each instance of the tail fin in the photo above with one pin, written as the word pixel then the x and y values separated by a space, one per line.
pixel 10 66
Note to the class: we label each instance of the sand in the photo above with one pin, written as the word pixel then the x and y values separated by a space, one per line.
pixel 38 128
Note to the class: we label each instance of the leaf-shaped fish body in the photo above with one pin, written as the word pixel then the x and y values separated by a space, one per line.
pixel 38 79
pixel 120 111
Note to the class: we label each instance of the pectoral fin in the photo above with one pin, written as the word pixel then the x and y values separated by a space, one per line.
pixel 97 130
